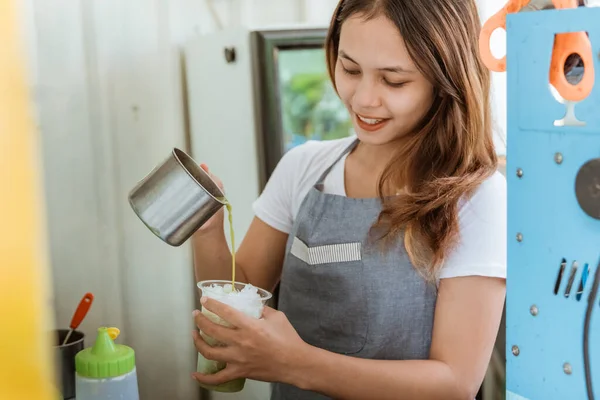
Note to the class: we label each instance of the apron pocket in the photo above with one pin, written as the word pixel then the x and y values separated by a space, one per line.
pixel 337 295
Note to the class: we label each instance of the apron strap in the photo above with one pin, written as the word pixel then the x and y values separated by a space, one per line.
pixel 319 184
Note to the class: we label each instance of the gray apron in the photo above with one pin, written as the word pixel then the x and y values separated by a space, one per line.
pixel 346 296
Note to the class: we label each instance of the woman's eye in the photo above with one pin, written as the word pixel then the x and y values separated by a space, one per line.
pixel 350 72
pixel 395 84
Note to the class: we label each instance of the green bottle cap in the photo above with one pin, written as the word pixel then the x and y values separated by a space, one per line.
pixel 105 359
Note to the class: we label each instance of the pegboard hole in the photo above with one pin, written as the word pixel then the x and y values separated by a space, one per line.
pixel 584 276
pixel 561 272
pixel 574 69
pixel 574 267
pixel 574 66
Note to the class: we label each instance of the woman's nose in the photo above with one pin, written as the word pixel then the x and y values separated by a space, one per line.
pixel 367 95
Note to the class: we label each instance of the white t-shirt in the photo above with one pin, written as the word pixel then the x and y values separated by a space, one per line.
pixel 482 219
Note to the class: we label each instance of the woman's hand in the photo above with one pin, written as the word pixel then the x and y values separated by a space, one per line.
pixel 264 349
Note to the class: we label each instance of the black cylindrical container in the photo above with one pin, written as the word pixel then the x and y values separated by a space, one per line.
pixel 64 358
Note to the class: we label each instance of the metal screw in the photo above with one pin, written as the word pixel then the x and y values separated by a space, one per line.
pixel 558 158
pixel 519 172
pixel 516 351
pixel 567 368
pixel 519 237
pixel 533 310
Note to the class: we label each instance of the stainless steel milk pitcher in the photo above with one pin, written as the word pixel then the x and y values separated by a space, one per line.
pixel 176 198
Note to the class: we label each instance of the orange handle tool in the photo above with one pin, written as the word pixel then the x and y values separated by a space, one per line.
pixel 82 310
pixel 496 21
pixel 80 313
pixel 566 44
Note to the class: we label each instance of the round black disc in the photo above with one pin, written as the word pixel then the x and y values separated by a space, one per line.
pixel 587 188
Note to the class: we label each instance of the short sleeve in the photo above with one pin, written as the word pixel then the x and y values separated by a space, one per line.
pixel 482 245
pixel 274 206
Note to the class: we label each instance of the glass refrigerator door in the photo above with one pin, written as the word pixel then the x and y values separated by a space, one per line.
pixel 295 98
pixel 310 108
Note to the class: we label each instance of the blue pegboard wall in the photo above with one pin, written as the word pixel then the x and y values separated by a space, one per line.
pixel 546 224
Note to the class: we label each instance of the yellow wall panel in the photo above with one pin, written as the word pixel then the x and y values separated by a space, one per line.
pixel 26 371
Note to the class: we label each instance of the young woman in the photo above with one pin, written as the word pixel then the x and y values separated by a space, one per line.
pixel 389 246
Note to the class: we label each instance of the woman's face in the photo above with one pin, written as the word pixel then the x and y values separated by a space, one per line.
pixel 378 82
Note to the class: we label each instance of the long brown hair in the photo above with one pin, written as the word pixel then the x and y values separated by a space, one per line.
pixel 451 152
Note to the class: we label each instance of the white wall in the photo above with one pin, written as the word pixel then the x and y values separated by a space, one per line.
pixel 107 90
pixel 107 86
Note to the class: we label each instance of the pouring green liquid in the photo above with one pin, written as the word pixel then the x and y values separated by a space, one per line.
pixel 231 237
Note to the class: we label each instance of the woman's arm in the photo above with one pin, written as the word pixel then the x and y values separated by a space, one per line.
pixel 467 317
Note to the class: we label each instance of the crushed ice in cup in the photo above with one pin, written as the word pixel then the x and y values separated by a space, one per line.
pixel 247 300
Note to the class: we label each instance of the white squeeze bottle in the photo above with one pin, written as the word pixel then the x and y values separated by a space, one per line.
pixel 106 371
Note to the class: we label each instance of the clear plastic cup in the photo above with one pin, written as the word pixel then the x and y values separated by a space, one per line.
pixel 251 306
